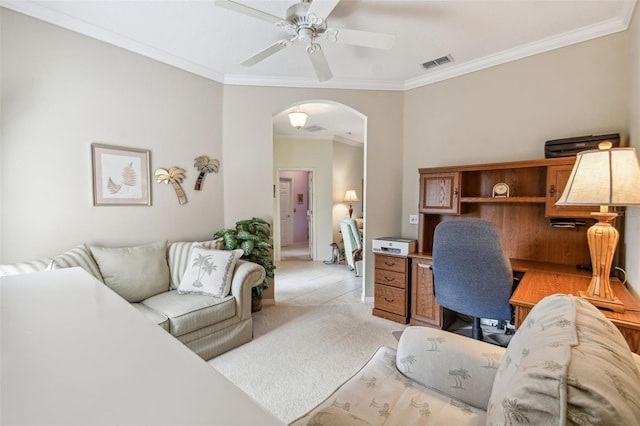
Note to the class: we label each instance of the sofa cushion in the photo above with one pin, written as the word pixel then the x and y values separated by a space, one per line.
pixel 190 312
pixel 135 273
pixel 178 255
pixel 379 394
pixel 566 362
pixel 455 365
pixel 25 267
pixel 209 272
pixel 154 316
pixel 77 256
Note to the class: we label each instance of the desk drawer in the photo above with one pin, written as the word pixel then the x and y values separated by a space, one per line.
pixel 391 263
pixel 394 279
pixel 390 299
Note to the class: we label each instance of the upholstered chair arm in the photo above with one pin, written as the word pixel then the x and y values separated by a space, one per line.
pixel 246 275
pixel 458 366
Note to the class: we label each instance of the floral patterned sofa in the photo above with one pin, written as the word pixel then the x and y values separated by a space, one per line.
pixel 197 293
pixel 567 364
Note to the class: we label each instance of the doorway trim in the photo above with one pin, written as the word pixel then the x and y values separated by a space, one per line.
pixel 312 202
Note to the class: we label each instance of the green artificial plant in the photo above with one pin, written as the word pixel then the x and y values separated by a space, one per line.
pixel 253 236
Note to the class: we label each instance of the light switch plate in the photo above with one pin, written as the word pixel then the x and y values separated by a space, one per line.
pixel 413 219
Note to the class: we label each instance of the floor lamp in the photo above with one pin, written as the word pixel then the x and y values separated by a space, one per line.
pixel 603 177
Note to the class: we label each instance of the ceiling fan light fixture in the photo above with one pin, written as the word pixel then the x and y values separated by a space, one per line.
pixel 298 119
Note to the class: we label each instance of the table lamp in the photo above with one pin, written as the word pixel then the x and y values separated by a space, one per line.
pixel 603 177
pixel 351 197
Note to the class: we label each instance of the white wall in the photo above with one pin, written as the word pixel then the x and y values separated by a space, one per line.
pixel 60 92
pixel 507 112
pixel 632 222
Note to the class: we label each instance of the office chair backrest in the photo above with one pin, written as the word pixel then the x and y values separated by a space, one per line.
pixel 472 274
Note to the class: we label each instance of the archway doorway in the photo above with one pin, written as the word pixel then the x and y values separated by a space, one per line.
pixel 331 145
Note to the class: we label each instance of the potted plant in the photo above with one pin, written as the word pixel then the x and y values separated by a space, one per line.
pixel 253 236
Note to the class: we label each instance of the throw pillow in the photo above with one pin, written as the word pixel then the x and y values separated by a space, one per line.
pixel 567 364
pixel 209 272
pixel 135 273
pixel 530 385
pixel 178 255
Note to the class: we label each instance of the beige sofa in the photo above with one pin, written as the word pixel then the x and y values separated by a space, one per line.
pixel 567 364
pixel 149 277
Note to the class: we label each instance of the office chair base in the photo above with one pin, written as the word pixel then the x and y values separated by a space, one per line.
pixel 476 329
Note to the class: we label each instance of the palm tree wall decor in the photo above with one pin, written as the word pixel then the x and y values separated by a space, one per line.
pixel 204 166
pixel 175 176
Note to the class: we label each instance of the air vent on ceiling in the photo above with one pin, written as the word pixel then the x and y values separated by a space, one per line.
pixel 437 62
pixel 313 128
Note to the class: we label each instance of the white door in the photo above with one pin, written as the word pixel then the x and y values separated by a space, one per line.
pixel 286 212
pixel 310 212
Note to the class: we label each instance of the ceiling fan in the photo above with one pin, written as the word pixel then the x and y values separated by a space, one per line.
pixel 307 21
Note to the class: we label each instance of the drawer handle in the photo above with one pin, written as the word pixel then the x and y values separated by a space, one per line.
pixel 389 300
pixel 389 279
pixel 389 263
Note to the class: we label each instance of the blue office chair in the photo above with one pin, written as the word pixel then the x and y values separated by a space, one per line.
pixel 471 272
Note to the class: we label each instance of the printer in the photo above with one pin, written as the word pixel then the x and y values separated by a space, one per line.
pixel 394 245
pixel 571 146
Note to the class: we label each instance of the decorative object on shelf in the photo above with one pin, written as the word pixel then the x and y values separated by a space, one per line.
pixel 253 236
pixel 298 118
pixel 175 176
pixel 500 190
pixel 603 177
pixel 204 166
pixel 351 197
pixel 120 176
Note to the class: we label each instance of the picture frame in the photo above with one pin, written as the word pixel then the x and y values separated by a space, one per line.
pixel 120 176
pixel 300 198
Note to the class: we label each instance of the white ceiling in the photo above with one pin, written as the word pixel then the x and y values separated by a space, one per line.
pixel 211 41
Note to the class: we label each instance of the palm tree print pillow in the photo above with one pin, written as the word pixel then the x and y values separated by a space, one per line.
pixel 209 272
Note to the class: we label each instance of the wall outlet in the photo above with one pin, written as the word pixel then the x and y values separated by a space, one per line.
pixel 413 219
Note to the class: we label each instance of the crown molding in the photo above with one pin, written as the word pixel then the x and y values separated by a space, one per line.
pixel 611 26
pixel 590 32
pixel 45 14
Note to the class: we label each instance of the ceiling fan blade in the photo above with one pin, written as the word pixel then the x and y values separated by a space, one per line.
pixel 246 10
pixel 264 54
pixel 319 62
pixel 361 38
pixel 322 8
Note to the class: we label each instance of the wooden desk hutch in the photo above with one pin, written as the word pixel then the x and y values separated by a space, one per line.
pixel 524 219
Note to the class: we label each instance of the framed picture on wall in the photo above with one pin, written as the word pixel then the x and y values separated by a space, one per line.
pixel 300 198
pixel 120 176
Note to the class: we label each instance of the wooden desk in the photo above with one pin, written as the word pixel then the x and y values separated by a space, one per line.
pixel 537 284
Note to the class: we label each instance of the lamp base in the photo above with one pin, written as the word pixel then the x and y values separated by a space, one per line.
pixel 612 304
pixel 602 239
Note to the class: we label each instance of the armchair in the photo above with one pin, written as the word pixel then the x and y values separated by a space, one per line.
pixel 352 244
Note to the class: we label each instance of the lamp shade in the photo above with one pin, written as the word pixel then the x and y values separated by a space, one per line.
pixel 603 177
pixel 298 119
pixel 351 197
